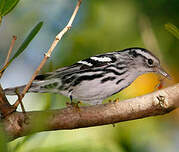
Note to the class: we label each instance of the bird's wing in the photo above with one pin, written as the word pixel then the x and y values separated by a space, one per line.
pixel 86 65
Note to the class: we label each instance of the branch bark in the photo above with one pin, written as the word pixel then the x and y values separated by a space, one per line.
pixel 158 103
pixel 5 107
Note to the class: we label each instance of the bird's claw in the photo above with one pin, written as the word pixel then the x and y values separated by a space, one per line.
pixel 73 104
pixel 113 101
pixel 116 100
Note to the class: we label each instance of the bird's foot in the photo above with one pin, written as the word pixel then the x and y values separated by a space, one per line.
pixel 116 100
pixel 73 104
pixel 113 101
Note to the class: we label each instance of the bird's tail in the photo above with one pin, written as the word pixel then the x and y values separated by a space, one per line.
pixel 45 86
pixel 12 91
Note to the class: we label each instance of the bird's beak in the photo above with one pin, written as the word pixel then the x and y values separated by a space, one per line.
pixel 161 71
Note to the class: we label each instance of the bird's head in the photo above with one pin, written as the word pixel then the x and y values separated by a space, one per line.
pixel 143 61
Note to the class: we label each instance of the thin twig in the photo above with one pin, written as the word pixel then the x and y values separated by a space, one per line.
pixel 10 49
pixel 8 55
pixel 20 100
pixel 48 54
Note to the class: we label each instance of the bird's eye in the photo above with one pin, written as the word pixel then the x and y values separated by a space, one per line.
pixel 150 62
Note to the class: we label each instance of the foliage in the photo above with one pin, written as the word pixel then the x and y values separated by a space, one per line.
pixel 172 29
pixel 6 6
pixel 26 42
pixel 24 45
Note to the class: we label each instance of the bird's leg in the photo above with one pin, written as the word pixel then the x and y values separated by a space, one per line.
pixel 71 99
pixel 69 104
pixel 73 104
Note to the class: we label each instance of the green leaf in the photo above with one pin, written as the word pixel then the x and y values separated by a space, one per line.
pixel 2 3
pixel 24 45
pixel 27 40
pixel 8 7
pixel 172 29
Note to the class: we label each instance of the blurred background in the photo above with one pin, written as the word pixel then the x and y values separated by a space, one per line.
pixel 99 27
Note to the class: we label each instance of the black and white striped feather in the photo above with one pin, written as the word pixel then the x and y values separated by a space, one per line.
pixel 93 79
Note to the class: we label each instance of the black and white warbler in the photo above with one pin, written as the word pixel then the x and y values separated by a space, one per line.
pixel 93 79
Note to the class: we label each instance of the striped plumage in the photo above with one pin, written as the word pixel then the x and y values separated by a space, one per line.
pixel 96 78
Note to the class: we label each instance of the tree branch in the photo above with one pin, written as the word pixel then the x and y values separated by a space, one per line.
pixel 10 50
pixel 158 103
pixel 5 107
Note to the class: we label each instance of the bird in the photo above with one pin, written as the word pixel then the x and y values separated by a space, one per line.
pixel 98 77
